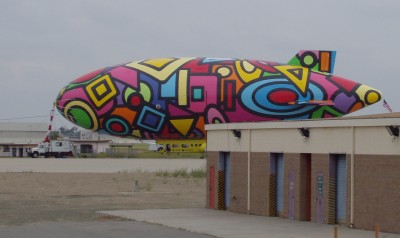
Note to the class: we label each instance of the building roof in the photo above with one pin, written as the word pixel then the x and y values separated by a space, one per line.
pixel 24 126
pixel 376 116
pixel 19 144
pixel 349 121
pixel 89 141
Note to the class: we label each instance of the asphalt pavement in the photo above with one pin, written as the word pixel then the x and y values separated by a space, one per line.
pixel 233 225
pixel 98 229
pixel 179 223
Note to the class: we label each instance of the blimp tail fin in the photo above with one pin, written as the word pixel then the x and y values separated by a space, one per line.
pixel 316 60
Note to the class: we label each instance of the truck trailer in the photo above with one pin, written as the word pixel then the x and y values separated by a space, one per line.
pixel 56 148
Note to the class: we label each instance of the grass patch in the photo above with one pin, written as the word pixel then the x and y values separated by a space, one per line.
pixel 198 173
pixel 183 173
pixel 147 186
pixel 140 150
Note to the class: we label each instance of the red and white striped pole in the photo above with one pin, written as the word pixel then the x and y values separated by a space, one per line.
pixel 47 139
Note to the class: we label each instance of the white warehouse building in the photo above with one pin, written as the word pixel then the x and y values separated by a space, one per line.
pixel 17 137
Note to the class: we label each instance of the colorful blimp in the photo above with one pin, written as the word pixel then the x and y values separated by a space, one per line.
pixel 171 99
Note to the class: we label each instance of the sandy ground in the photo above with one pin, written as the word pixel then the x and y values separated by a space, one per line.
pixel 106 165
pixel 31 197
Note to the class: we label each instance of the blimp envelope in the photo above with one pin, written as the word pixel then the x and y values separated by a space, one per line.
pixel 173 98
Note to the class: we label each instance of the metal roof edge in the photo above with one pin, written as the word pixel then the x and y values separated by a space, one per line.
pixel 359 121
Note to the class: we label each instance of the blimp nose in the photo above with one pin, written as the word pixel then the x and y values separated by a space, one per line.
pixel 368 95
pixel 74 103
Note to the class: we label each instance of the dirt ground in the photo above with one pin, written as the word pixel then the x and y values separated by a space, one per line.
pixel 38 197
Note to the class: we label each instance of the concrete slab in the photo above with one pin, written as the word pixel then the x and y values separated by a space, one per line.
pixel 72 165
pixel 233 225
pixel 103 229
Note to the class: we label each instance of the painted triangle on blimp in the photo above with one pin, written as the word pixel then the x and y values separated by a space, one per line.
pixel 177 111
pixel 296 72
pixel 182 125
pixel 299 76
pixel 326 112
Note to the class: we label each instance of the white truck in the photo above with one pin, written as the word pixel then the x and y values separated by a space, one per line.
pixel 56 148
pixel 155 147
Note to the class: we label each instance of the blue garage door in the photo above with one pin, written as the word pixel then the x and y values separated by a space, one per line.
pixel 227 180
pixel 279 182
pixel 225 165
pixel 341 188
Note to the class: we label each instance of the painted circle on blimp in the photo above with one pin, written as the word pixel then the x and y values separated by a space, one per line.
pixel 82 114
pixel 282 96
pixel 271 97
pixel 117 126
pixel 308 59
pixel 372 97
pixel 135 100
pixel 145 94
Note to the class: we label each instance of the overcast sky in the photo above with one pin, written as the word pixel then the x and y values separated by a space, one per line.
pixel 45 44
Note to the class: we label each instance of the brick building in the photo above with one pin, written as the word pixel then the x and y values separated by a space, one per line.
pixel 336 171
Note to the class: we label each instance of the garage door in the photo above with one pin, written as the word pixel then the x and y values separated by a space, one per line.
pixel 341 188
pixel 279 182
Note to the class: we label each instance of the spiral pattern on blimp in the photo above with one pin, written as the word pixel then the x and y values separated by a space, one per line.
pixel 262 97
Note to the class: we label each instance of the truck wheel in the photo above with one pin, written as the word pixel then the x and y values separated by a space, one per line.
pixel 35 155
pixel 58 155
